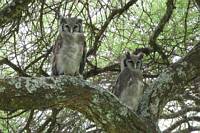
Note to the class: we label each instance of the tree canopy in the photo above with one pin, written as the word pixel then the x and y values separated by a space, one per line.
pixel 31 100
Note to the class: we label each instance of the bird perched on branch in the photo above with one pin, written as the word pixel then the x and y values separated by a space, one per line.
pixel 129 84
pixel 70 48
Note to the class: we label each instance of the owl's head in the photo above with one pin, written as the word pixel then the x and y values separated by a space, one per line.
pixel 132 61
pixel 71 25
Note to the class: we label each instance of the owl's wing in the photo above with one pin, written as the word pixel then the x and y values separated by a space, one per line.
pixel 56 48
pixel 83 59
pixel 122 81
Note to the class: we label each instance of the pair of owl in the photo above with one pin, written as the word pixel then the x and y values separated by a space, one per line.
pixel 69 58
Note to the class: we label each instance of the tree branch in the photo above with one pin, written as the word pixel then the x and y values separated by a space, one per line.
pixel 198 3
pixel 159 29
pixel 189 129
pixel 95 103
pixel 13 66
pixel 96 71
pixel 171 82
pixel 180 113
pixel 179 122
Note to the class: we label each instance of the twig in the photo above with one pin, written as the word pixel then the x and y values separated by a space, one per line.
pixel 152 40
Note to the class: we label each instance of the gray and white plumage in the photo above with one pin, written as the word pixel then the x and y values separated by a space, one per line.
pixel 129 85
pixel 70 48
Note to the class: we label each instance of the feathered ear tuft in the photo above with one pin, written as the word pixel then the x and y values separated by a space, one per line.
pixel 128 55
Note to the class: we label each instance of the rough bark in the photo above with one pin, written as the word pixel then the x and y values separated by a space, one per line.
pixel 94 102
pixel 171 82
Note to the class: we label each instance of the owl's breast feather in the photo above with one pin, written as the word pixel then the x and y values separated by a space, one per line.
pixel 73 38
pixel 69 58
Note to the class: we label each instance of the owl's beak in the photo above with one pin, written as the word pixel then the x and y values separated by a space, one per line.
pixel 71 30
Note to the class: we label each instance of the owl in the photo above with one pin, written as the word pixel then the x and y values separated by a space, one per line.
pixel 70 48
pixel 129 84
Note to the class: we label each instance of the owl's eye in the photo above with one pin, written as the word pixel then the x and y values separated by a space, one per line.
pixel 138 62
pixel 67 26
pixel 75 28
pixel 130 61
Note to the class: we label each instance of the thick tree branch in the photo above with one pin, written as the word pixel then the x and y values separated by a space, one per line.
pixel 171 82
pixel 189 129
pixel 180 113
pixel 178 123
pixel 95 103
